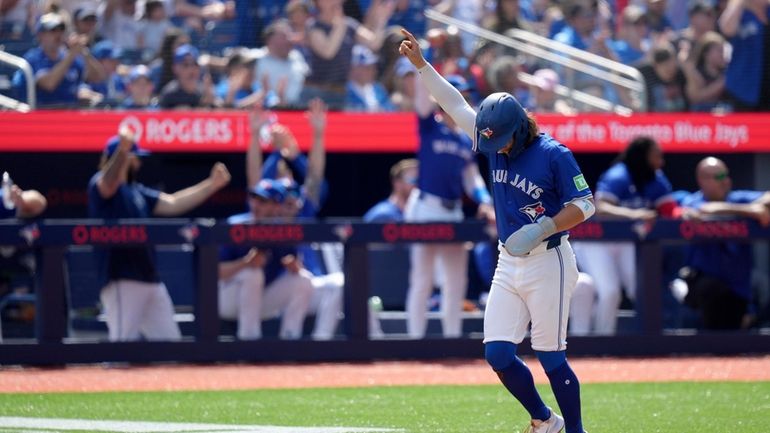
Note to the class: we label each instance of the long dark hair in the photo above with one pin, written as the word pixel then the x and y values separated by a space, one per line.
pixel 167 55
pixel 636 158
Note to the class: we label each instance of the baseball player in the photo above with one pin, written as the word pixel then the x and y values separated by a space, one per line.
pixel 136 303
pixel 539 193
pixel 256 284
pixel 320 263
pixel 633 188
pixel 446 168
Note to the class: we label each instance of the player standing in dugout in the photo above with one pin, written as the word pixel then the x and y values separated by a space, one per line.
pixel 539 193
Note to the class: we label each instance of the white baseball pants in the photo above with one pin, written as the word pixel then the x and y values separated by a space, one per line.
pixel 137 308
pixel 244 298
pixel 534 288
pixel 452 261
pixel 612 266
pixel 326 303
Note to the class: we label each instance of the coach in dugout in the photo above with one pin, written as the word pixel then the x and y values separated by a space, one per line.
pixel 718 274
pixel 136 303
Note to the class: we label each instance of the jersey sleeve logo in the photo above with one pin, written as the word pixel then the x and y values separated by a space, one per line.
pixel 486 132
pixel 580 182
pixel 533 211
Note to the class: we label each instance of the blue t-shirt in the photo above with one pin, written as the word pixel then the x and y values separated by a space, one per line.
pixel 443 156
pixel 743 78
pixel 626 53
pixel 131 200
pixel 729 261
pixel 540 181
pixel 384 212
pixel 569 36
pixel 113 88
pixel 354 101
pixel 273 268
pixel 67 90
pixel 615 186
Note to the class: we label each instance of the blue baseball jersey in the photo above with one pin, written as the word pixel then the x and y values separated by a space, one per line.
pixel 273 268
pixel 540 181
pixel 67 90
pixel 615 185
pixel 743 78
pixel 443 156
pixel 728 261
pixel 384 212
pixel 131 200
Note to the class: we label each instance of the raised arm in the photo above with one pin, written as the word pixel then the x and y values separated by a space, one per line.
pixel 187 199
pixel 29 203
pixel 317 155
pixel 731 18
pixel 258 118
pixel 447 96
pixel 113 172
pixel 325 46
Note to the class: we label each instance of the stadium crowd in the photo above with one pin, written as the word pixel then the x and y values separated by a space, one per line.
pixel 694 55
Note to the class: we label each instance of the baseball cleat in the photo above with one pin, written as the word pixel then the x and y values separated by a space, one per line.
pixel 554 424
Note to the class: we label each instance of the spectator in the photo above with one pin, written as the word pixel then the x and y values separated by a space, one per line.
pixel 155 23
pixel 544 97
pixel 298 16
pixel 546 18
pixel 331 37
pixel 17 19
pixel 665 81
pixel 703 19
pixel 140 90
pixel 118 23
pixel 18 264
pixel 656 17
pixel 719 273
pixel 634 188
pixel 581 29
pixel 163 66
pixel 364 92
pixel 252 17
pixel 197 12
pixel 482 59
pixel 187 90
pixel 446 169
pixel 59 71
pixel 447 53
pixel 507 16
pixel 408 14
pixel 503 76
pixel 632 44
pixel 85 20
pixel 745 25
pixel 705 71
pixel 282 69
pixel 111 90
pixel 404 84
pixel 136 303
pixel 468 11
pixel 403 179
pixel 238 88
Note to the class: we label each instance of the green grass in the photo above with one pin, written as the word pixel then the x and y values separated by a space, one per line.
pixel 607 408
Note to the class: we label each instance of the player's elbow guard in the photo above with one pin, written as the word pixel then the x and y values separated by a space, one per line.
pixel 586 206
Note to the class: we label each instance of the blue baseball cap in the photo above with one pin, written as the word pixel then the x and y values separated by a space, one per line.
pixel 48 22
pixel 269 189
pixel 184 51
pixel 114 142
pixel 500 118
pixel 138 71
pixel 363 56
pixel 106 50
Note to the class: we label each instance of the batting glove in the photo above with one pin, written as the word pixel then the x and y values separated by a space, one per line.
pixel 523 240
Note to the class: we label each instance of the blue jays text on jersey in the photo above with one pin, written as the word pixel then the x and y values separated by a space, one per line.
pixel 539 181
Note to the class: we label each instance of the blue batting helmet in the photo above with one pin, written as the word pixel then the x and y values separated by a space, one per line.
pixel 500 118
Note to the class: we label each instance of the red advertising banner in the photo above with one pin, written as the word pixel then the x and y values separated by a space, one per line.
pixel 228 131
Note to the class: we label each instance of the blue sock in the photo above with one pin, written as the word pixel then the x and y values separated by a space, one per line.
pixel 566 389
pixel 516 377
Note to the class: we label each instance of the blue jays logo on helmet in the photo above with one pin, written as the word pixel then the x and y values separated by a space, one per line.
pixel 501 118
pixel 533 211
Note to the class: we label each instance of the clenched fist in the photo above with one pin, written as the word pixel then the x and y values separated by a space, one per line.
pixel 219 176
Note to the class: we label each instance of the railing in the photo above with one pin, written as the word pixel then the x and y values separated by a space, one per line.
pixel 572 58
pixel 26 69
pixel 52 237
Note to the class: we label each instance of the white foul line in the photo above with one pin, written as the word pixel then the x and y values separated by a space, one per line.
pixel 58 424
